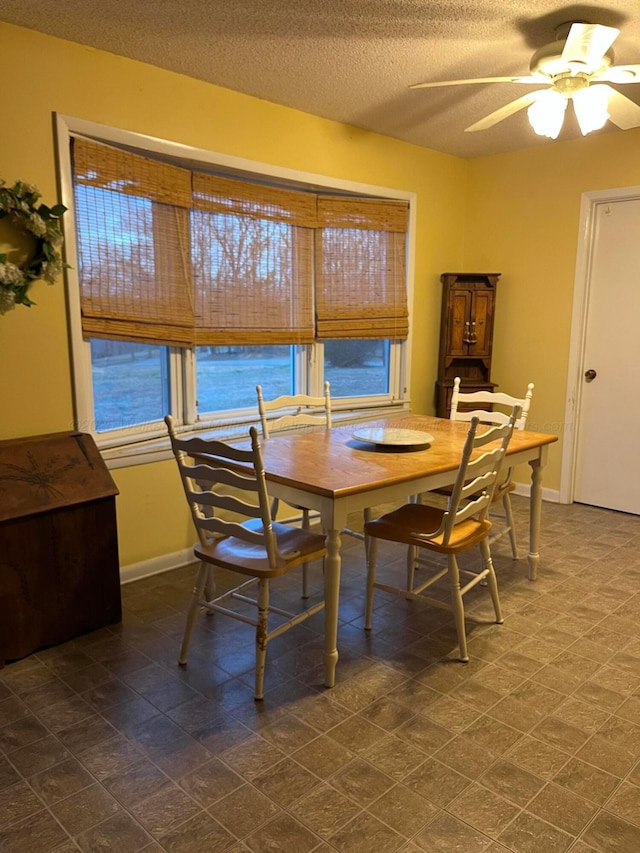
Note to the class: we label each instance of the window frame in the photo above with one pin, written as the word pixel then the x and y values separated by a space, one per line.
pixel 148 442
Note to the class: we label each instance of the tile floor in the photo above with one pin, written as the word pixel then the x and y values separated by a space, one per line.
pixel 533 747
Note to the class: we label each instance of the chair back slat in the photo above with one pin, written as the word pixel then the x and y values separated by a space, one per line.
pixel 207 485
pixel 473 508
pixel 294 411
pixel 196 446
pixel 220 527
pixel 493 399
pixel 224 502
pixel 483 416
pixel 477 486
pixel 224 476
pixel 495 432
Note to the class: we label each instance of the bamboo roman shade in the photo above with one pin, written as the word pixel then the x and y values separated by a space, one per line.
pixel 253 262
pixel 133 247
pixel 173 256
pixel 361 289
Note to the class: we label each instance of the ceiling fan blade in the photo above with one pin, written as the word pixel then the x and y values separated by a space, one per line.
pixel 528 79
pixel 506 111
pixel 623 112
pixel 619 74
pixel 586 45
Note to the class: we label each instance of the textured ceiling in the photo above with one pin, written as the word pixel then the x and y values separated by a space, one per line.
pixel 348 60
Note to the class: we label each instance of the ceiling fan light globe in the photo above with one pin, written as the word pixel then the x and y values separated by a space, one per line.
pixel 546 114
pixel 590 106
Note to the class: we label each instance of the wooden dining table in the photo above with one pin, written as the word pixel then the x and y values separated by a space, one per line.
pixel 335 474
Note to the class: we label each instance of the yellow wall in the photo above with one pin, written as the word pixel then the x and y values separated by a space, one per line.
pixel 43 76
pixel 523 221
pixel 514 213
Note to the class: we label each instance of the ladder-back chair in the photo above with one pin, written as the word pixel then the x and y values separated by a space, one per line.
pixel 295 412
pixel 500 408
pixel 226 490
pixel 463 524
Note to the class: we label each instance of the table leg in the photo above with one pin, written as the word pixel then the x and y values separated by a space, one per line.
pixel 332 567
pixel 535 513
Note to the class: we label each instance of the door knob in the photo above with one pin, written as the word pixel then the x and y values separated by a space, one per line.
pixel 590 375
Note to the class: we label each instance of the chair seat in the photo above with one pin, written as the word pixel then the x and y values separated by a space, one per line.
pixel 295 544
pixel 400 526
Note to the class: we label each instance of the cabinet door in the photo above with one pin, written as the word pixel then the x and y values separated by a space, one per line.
pixel 481 323
pixel 459 314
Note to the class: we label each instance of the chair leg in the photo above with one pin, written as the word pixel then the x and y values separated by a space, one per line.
pixel 366 516
pixel 412 553
pixel 492 580
pixel 457 606
pixel 261 636
pixel 306 525
pixel 192 614
pixel 210 587
pixel 508 512
pixel 372 554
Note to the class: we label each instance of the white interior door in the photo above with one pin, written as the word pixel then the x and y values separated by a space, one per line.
pixel 607 463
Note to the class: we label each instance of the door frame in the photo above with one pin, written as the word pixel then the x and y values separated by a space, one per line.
pixel 581 293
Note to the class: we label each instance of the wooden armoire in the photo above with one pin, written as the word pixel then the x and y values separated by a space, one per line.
pixel 466 334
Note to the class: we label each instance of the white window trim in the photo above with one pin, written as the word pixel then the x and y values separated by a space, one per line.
pixel 128 449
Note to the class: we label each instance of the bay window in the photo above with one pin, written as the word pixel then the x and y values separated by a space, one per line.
pixel 195 286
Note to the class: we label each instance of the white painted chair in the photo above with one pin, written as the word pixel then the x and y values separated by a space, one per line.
pixel 500 408
pixel 295 412
pixel 463 524
pixel 231 512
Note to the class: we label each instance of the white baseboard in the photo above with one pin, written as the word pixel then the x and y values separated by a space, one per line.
pixel 155 566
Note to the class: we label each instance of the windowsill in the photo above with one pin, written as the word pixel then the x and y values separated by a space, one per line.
pixel 159 449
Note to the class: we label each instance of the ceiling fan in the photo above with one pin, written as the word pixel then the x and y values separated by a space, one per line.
pixel 578 66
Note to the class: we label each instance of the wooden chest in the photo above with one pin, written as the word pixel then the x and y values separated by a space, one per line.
pixel 59 569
